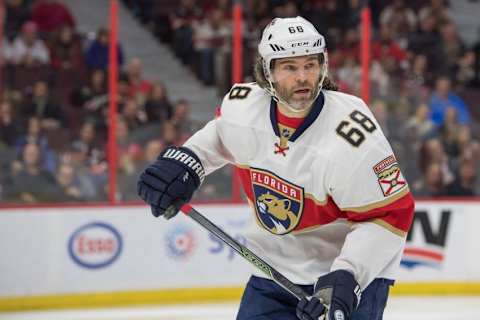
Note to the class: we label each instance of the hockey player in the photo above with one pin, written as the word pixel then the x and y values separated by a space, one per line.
pixel 331 205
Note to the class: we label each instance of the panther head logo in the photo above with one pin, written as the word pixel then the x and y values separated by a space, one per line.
pixel 271 205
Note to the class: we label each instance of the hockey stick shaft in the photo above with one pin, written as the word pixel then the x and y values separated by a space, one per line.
pixel 248 255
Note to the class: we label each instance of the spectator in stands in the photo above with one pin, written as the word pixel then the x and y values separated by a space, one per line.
pixel 138 86
pixel 170 134
pixel 381 113
pixel 326 17
pixel 28 49
pixel 290 9
pixel 452 47
pixel 91 95
pixel 89 100
pixel 210 39
pixel 223 5
pixel 442 98
pixel 31 182
pixel 133 115
pixel 123 87
pixel 152 150
pixel 50 15
pixel 476 50
pixel 181 118
pixel 465 73
pixel 82 175
pixel 432 151
pixel 426 41
pixel 6 52
pixel 419 76
pixel 349 75
pixel 10 125
pixel 181 21
pixel 431 184
pixel 42 106
pixel 449 132
pixel 385 50
pixel 349 47
pixel 437 9
pixel 66 50
pixel 129 151
pixel 400 18
pixel 131 165
pixel 89 158
pixel 351 13
pixel 158 107
pixel 464 183
pixel 16 14
pixel 130 169
pixel 96 56
pixel 129 158
pixel 67 183
pixel 467 145
pixel 260 15
pixel 419 126
pixel 86 149
pixel 35 134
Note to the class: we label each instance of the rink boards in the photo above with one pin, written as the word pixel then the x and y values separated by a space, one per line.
pixel 100 255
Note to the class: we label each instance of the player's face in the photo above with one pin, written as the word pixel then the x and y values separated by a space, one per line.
pixel 296 80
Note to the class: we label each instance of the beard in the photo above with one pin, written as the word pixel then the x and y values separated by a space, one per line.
pixel 297 101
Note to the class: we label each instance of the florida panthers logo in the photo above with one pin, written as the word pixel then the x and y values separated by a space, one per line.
pixel 279 204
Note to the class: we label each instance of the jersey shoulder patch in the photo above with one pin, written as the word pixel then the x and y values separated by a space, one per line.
pixel 389 176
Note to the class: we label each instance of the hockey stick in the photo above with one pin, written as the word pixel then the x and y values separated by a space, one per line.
pixel 248 255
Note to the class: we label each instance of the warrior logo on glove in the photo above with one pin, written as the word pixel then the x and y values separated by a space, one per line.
pixel 171 180
pixel 190 161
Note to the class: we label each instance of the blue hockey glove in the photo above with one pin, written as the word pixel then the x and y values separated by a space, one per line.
pixel 171 180
pixel 339 290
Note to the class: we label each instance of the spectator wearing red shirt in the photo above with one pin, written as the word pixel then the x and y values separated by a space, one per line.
pixel 387 51
pixel 139 88
pixel 66 50
pixel 50 15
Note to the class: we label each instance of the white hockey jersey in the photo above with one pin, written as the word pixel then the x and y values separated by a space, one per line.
pixel 329 196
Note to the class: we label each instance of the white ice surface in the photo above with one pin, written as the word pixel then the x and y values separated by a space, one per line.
pixel 399 308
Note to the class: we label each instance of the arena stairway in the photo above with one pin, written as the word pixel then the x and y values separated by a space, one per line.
pixel 465 14
pixel 159 63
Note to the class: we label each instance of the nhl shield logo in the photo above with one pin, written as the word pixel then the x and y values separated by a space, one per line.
pixel 278 203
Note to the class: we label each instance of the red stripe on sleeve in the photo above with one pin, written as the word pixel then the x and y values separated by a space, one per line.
pixel 398 214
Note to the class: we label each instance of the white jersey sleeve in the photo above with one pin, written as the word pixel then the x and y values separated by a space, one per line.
pixel 207 145
pixel 366 183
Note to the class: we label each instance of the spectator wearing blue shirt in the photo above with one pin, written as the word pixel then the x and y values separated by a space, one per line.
pixel 443 98
pixel 97 54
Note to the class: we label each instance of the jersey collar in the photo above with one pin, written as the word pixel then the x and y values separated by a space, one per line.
pixel 309 119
